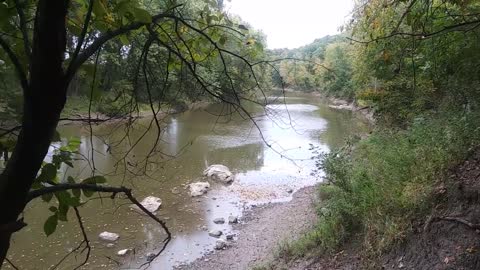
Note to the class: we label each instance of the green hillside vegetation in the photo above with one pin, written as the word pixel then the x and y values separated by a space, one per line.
pixel 416 65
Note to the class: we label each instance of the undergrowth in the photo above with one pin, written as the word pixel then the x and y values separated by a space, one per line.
pixel 374 187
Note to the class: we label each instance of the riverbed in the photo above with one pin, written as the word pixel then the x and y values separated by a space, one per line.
pixel 271 159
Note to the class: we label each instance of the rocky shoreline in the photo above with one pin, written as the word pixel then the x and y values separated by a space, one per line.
pixel 260 232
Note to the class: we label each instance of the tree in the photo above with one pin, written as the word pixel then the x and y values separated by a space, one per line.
pixel 49 42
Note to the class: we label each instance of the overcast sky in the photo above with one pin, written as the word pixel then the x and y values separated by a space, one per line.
pixel 292 23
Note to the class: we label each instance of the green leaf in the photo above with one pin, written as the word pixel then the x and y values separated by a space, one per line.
pixel 99 8
pixel 63 211
pixel 50 225
pixel 69 163
pixel 123 7
pixel 243 27
pixel 222 40
pixel 87 193
pixel 95 180
pixel 142 15
pixel 48 173
pixel 47 197
pixel 76 192
pixel 124 40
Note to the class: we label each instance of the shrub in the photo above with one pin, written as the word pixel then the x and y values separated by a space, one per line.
pixel 376 186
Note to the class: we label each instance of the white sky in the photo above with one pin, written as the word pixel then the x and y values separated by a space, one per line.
pixel 292 23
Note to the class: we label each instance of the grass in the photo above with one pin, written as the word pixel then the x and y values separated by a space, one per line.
pixel 78 105
pixel 376 186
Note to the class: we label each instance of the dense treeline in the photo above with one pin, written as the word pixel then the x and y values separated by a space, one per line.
pixel 416 64
pixel 401 58
pixel 68 60
pixel 115 80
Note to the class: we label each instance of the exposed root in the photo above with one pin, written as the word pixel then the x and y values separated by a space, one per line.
pixel 462 221
pixel 465 222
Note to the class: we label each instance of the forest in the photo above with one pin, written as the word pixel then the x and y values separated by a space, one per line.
pixel 414 65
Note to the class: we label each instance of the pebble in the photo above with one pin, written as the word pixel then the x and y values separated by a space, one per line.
pixel 219 221
pixel 215 233
pixel 220 244
pixel 232 219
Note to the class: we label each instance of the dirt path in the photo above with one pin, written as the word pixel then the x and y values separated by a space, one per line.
pixel 261 231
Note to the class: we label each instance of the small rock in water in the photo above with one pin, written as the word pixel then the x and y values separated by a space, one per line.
pixel 151 256
pixel 219 221
pixel 229 236
pixel 110 245
pixel 220 244
pixel 232 219
pixel 109 237
pixel 204 228
pixel 215 233
pixel 290 190
pixel 219 173
pixel 150 203
pixel 124 252
pixel 175 190
pixel 198 188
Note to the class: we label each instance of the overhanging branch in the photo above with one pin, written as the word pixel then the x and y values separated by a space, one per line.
pixel 105 189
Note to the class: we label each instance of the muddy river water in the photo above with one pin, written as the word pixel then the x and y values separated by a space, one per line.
pixel 266 170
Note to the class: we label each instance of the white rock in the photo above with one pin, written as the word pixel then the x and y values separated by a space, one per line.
pixel 215 233
pixel 220 244
pixel 219 221
pixel 198 188
pixel 150 203
pixel 124 252
pixel 109 237
pixel 232 219
pixel 219 173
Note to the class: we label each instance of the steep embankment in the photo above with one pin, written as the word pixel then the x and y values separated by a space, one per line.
pixel 447 238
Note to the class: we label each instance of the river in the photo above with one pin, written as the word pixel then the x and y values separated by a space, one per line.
pixel 295 129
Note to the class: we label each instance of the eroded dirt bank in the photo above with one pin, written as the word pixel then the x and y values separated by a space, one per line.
pixel 447 238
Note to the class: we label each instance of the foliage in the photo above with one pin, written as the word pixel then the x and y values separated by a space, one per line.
pixel 413 56
pixel 112 56
pixel 376 186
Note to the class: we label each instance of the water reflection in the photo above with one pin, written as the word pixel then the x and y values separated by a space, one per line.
pixel 267 164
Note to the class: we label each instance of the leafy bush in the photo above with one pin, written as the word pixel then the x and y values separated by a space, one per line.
pixel 377 185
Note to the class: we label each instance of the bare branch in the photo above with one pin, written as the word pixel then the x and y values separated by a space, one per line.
pixel 88 248
pixel 18 67
pixel 81 39
pixel 451 28
pixel 23 27
pixel 105 189
pixel 103 38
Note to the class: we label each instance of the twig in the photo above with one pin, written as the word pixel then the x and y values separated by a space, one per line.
pixel 467 223
pixel 88 248
pixel 11 263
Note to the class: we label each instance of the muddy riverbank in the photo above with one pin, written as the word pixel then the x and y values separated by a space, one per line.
pixel 261 231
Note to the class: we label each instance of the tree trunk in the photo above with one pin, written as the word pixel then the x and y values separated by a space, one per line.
pixel 44 99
